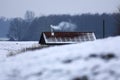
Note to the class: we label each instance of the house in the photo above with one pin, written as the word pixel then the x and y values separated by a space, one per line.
pixel 4 39
pixel 59 38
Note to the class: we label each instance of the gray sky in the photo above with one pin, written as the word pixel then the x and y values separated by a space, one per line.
pixel 17 8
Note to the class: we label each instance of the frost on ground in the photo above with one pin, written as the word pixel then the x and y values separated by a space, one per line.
pixel 8 48
pixel 94 60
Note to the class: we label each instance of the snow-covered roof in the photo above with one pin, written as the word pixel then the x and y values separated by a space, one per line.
pixel 66 37
pixel 4 39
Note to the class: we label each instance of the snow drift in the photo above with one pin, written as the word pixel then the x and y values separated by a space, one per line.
pixel 93 60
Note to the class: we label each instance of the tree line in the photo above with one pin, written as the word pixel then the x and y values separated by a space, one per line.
pixel 31 27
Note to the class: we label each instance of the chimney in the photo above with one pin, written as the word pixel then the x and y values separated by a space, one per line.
pixel 52 33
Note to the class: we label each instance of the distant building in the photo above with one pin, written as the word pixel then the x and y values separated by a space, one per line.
pixel 59 38
pixel 4 39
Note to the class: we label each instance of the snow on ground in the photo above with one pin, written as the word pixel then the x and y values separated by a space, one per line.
pixel 6 47
pixel 93 60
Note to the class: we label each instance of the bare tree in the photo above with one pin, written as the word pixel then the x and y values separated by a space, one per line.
pixel 17 29
pixel 29 16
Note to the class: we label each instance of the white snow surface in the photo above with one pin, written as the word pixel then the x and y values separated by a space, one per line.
pixel 6 47
pixel 83 61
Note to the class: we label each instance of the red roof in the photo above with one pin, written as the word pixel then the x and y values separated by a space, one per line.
pixel 65 34
pixel 67 37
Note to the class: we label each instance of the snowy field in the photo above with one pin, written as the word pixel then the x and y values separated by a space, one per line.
pixel 7 47
pixel 93 60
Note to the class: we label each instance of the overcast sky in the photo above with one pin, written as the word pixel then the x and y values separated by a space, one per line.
pixel 17 8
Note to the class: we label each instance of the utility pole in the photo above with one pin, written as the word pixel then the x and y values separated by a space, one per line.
pixel 103 28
